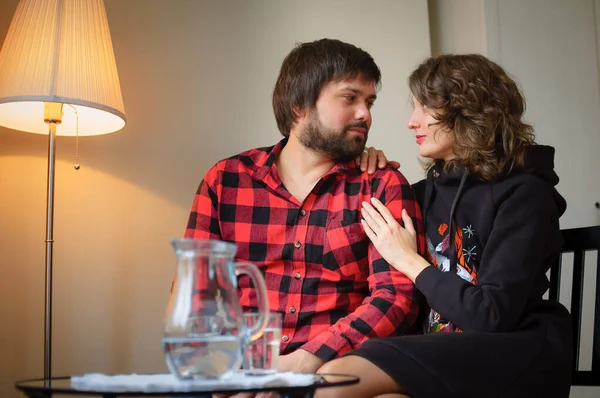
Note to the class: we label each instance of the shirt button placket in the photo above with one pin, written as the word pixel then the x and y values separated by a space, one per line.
pixel 296 288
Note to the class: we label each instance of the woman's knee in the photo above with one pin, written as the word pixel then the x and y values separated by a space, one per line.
pixel 334 366
pixel 373 380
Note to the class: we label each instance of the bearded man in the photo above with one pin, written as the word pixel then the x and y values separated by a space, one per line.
pixel 293 209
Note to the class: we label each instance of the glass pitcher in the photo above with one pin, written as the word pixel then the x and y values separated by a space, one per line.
pixel 205 333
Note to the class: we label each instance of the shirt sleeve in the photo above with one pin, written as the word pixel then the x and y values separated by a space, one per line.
pixel 203 222
pixel 390 308
pixel 524 237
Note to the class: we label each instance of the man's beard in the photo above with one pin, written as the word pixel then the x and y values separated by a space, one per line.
pixel 333 143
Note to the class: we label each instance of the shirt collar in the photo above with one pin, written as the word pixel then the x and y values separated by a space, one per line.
pixel 266 159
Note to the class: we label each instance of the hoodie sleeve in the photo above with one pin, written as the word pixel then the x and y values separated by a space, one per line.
pixel 520 242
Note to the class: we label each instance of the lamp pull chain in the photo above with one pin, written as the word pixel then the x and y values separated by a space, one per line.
pixel 77 166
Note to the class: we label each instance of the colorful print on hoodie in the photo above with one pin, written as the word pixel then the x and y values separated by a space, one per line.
pixel 466 265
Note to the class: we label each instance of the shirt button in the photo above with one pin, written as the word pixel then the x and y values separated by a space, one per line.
pixel 292 310
pixel 297 275
pixel 303 212
pixel 297 245
pixel 284 338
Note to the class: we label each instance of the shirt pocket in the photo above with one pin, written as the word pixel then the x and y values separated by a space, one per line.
pixel 346 249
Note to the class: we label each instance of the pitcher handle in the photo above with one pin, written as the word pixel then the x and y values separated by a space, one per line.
pixel 261 297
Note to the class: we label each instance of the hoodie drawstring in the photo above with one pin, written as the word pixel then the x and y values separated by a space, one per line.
pixel 452 225
pixel 429 187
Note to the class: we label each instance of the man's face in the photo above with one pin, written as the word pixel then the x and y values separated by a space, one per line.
pixel 339 124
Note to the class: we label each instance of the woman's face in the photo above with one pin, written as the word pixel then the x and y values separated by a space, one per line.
pixel 433 141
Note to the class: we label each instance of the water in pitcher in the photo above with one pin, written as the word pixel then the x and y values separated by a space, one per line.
pixel 203 357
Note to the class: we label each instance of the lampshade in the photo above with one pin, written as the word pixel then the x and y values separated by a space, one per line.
pixel 60 51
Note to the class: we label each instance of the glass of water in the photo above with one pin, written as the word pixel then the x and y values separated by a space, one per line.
pixel 261 356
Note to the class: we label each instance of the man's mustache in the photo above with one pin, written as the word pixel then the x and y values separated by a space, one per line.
pixel 359 125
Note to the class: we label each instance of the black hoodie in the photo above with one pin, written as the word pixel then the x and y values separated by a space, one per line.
pixel 499 239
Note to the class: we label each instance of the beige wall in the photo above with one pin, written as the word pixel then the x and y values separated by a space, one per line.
pixel 196 78
pixel 457 26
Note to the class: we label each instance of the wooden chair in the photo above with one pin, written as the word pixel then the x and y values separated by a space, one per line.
pixel 578 241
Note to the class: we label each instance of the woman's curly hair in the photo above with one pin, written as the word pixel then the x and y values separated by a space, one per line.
pixel 480 106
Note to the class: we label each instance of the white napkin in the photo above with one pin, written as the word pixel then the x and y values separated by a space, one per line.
pixel 169 383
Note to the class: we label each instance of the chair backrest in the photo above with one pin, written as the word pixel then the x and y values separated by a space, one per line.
pixel 578 241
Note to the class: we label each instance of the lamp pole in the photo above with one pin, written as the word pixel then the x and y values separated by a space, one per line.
pixel 52 116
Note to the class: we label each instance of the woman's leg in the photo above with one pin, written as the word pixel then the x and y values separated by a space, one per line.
pixel 373 381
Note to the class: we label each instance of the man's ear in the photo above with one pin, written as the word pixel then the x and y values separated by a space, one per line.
pixel 300 116
pixel 299 113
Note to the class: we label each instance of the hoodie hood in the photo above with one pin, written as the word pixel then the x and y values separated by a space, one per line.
pixel 539 161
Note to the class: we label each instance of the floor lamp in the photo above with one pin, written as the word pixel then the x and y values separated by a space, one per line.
pixel 58 77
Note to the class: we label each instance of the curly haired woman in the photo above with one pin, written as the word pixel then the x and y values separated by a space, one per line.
pixel 491 216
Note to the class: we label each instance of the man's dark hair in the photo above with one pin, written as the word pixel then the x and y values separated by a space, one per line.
pixel 308 67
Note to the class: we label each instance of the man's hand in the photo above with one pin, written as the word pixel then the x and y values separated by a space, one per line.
pixel 299 361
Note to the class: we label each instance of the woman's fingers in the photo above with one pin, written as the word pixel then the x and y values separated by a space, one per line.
pixel 370 234
pixel 376 222
pixel 408 224
pixel 385 213
pixel 372 162
pixel 393 164
pixel 362 160
pixel 369 220
pixel 372 159
pixel 367 160
pixel 381 159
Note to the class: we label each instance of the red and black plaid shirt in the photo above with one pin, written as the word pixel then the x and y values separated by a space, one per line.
pixel 321 270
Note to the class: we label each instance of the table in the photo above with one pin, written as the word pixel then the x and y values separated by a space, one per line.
pixel 42 388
